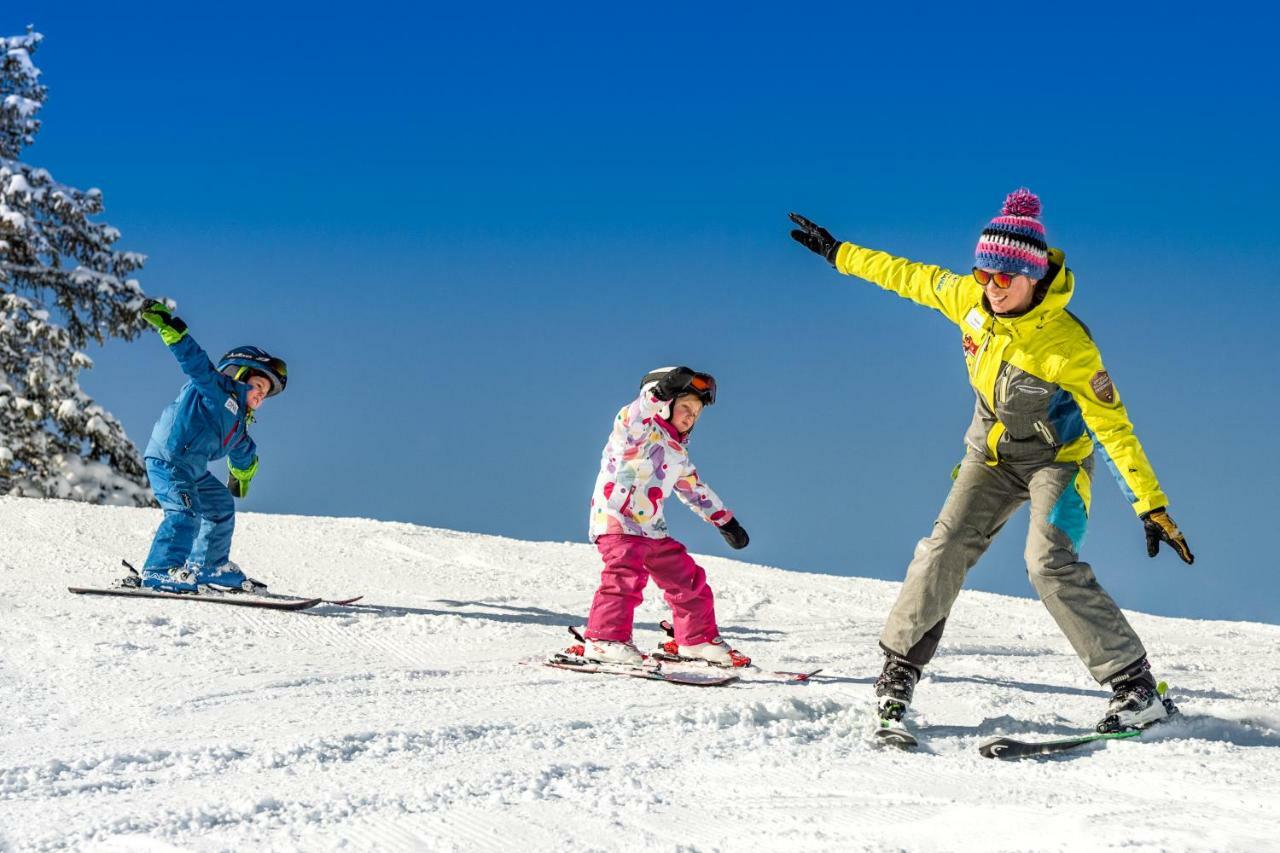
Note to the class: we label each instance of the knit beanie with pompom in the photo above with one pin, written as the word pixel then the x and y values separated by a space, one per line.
pixel 1014 241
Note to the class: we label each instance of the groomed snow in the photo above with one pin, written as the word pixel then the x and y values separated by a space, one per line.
pixel 422 721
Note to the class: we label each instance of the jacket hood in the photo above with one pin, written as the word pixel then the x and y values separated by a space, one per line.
pixel 1061 285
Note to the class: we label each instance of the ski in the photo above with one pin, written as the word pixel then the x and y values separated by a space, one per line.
pixel 891 733
pixel 243 600
pixel 1012 748
pixel 652 673
pixel 785 676
pixel 573 660
pixel 668 651
pixel 273 596
pixel 1007 747
pixel 134 581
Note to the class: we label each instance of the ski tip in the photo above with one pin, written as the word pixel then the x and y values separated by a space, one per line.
pixel 1013 748
pixel 895 737
pixel 994 747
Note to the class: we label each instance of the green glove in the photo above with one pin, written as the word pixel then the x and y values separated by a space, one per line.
pixel 171 328
pixel 238 482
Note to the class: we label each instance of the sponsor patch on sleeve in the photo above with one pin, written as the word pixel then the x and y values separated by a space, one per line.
pixel 232 406
pixel 1101 384
pixel 947 279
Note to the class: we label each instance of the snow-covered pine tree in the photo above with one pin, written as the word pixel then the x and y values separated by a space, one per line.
pixel 61 285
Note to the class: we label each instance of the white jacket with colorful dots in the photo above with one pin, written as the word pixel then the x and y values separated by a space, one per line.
pixel 645 460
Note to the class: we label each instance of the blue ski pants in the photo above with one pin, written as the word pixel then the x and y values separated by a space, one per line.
pixel 199 518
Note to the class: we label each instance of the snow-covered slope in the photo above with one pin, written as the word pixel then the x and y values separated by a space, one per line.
pixel 422 722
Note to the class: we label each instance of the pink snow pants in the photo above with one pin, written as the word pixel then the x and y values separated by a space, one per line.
pixel 628 563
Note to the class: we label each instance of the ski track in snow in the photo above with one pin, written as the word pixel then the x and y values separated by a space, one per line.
pixel 420 719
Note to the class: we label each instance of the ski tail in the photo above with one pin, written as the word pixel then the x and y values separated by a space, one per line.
pixel 238 601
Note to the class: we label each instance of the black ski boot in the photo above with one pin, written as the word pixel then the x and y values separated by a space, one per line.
pixel 894 688
pixel 1136 701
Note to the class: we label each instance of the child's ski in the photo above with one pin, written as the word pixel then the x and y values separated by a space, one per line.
pixel 243 600
pixel 653 673
pixel 782 675
pixel 669 651
pixel 134 581
pixel 572 659
pixel 275 596
pixel 1010 748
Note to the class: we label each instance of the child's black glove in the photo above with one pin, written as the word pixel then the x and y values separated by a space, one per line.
pixel 670 386
pixel 734 534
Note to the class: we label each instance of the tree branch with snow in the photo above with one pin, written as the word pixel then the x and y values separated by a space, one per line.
pixel 62 284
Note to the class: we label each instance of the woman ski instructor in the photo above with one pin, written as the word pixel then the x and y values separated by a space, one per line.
pixel 1044 402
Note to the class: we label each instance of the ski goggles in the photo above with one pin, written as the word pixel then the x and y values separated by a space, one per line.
pixel 1002 280
pixel 704 385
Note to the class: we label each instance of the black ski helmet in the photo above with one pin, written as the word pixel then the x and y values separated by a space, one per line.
pixel 703 386
pixel 239 362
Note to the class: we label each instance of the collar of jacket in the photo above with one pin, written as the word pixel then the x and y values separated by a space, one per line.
pixel 675 433
pixel 1061 287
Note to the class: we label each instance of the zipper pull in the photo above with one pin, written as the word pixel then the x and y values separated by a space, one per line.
pixel 1043 429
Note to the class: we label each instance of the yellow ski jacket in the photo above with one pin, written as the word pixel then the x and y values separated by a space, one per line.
pixel 1043 394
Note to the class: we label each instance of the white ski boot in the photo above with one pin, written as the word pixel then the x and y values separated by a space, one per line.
pixel 716 653
pixel 611 651
pixel 1136 701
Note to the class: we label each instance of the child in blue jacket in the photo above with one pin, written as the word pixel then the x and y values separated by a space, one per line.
pixel 208 421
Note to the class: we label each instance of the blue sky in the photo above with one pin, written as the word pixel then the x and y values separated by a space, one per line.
pixel 471 232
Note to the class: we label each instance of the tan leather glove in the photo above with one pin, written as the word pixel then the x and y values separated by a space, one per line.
pixel 1160 528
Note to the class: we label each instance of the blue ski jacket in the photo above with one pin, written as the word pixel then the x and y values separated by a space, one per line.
pixel 208 420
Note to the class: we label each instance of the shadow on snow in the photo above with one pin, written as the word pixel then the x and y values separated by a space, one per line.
pixel 517 615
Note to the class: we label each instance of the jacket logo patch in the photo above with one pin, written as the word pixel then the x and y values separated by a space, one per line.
pixel 970 346
pixel 1101 384
pixel 947 279
pixel 232 406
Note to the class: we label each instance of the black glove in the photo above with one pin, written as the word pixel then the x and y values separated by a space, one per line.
pixel 670 386
pixel 815 238
pixel 1159 528
pixel 734 534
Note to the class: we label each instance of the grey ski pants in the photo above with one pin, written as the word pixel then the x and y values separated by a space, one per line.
pixel 982 499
